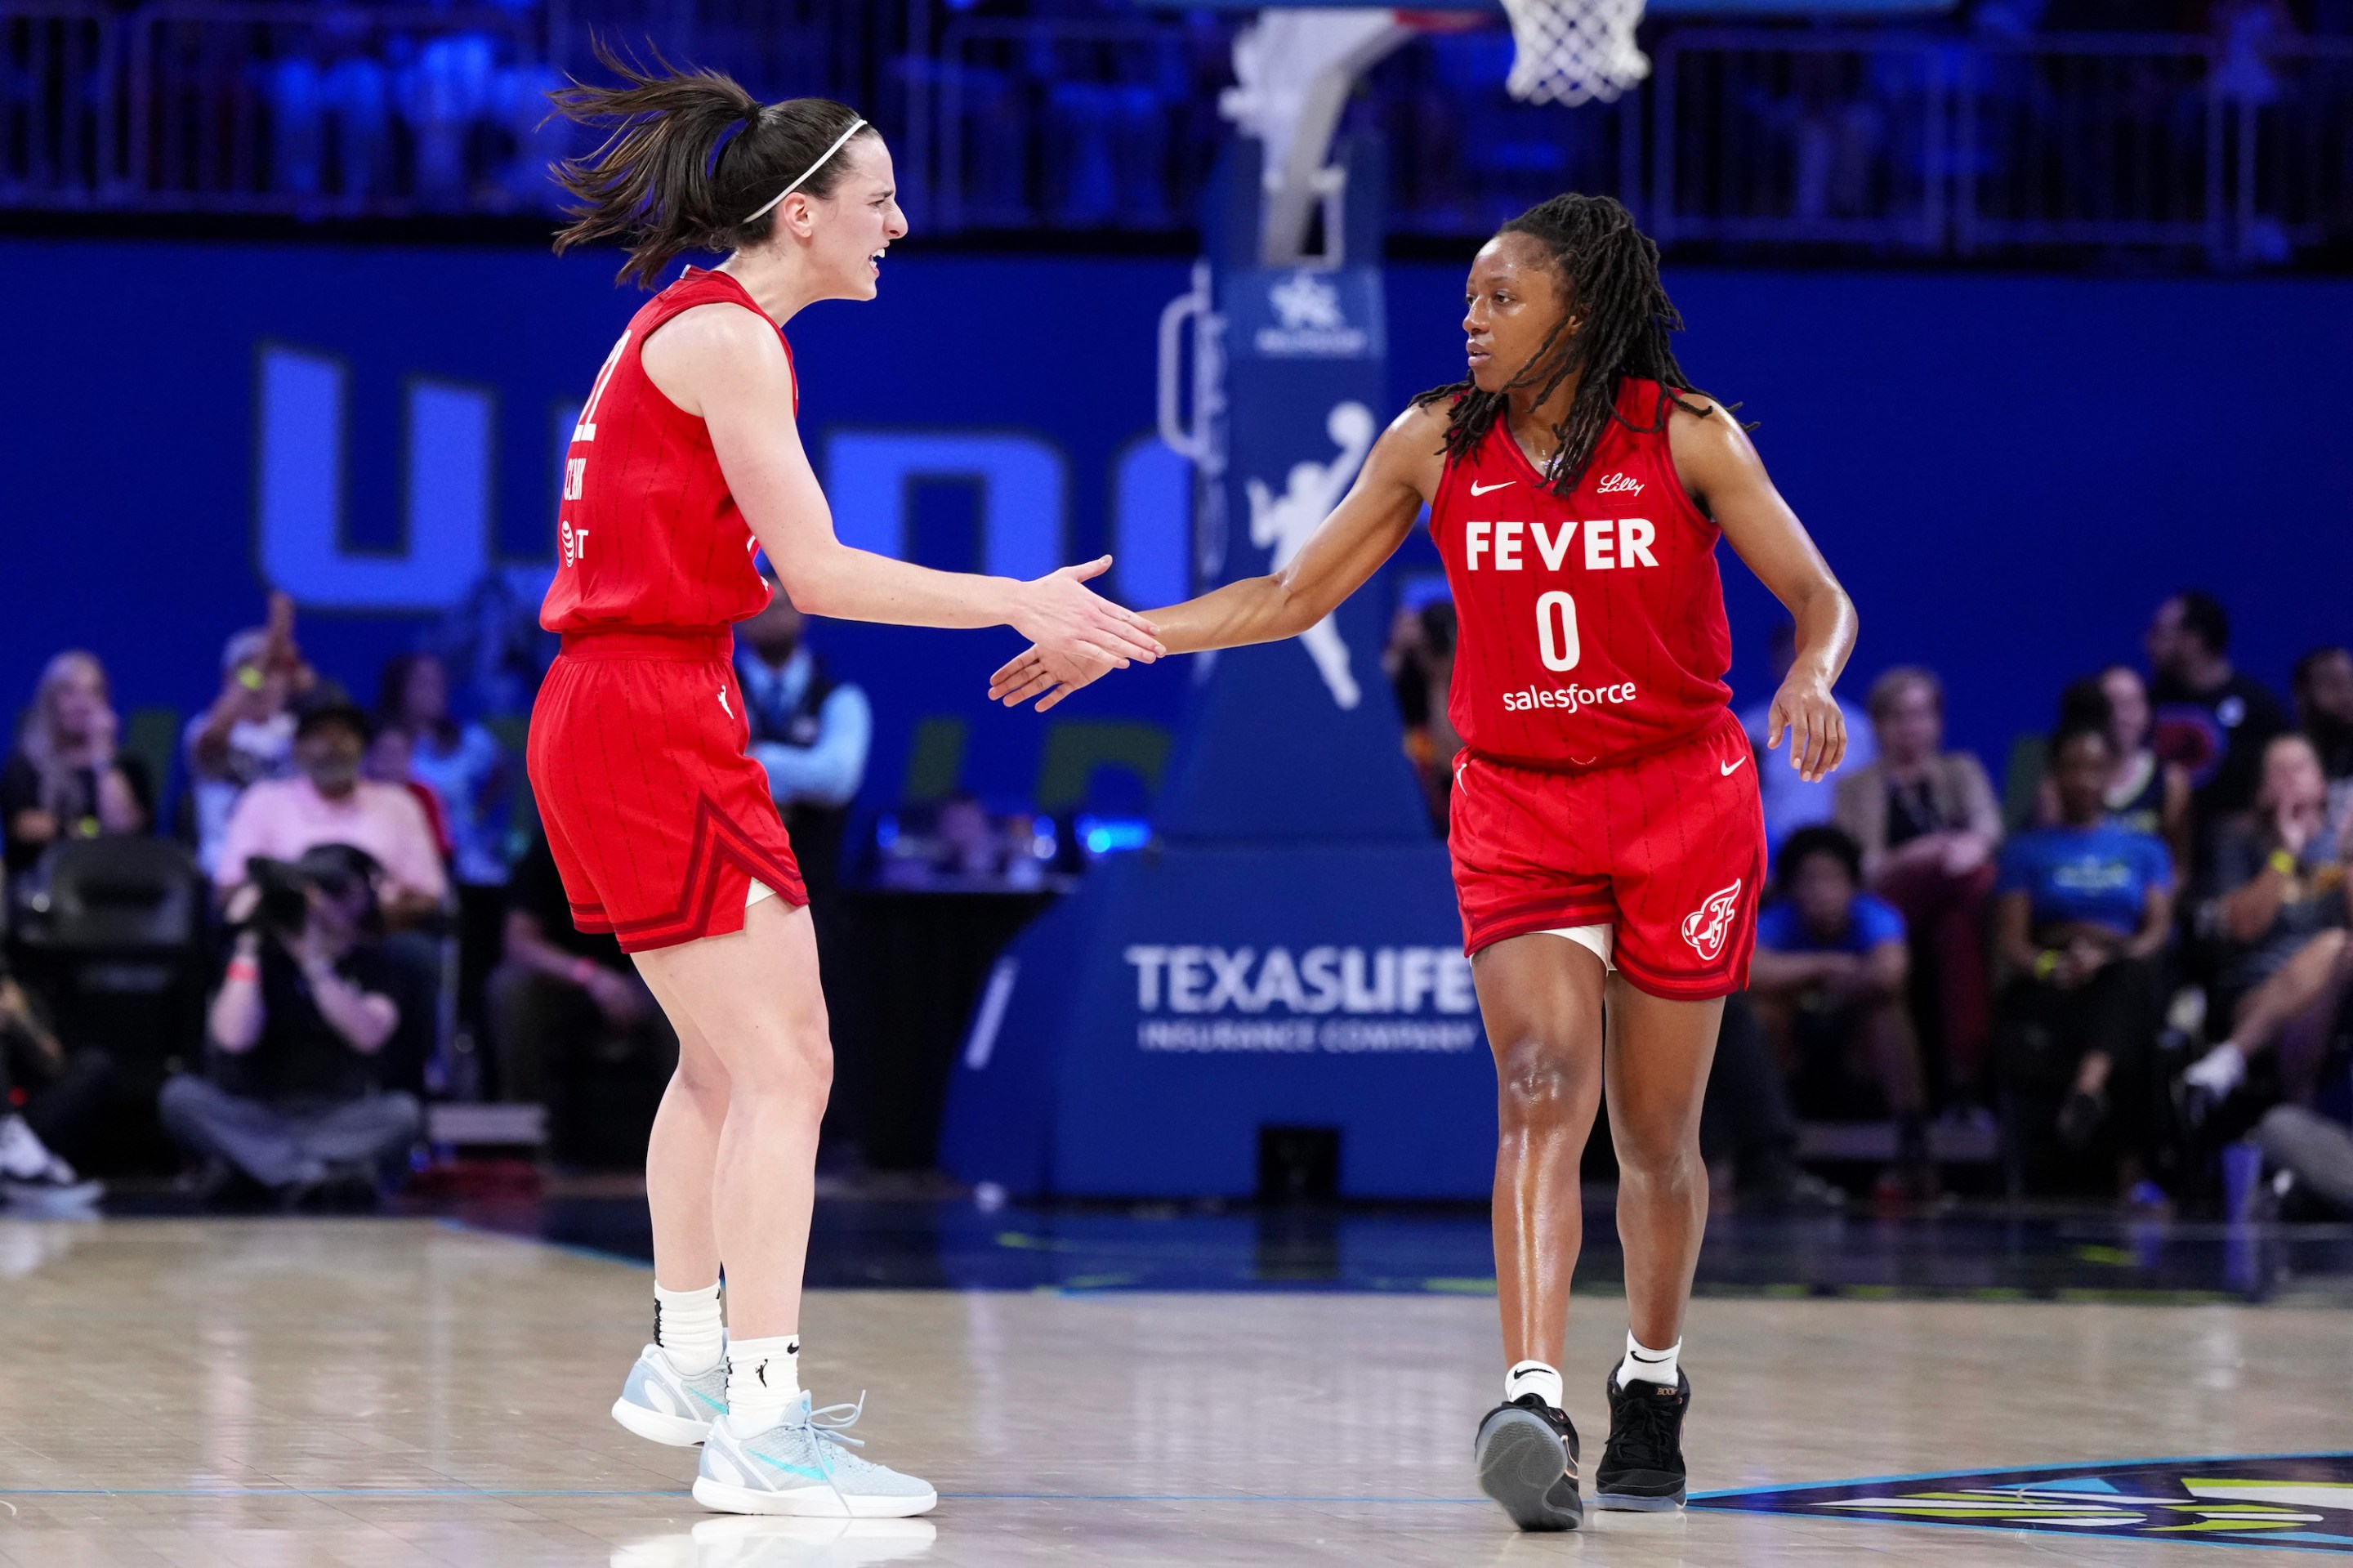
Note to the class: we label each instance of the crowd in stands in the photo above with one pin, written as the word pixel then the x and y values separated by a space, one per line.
pixel 2146 959
pixel 2144 956
pixel 375 905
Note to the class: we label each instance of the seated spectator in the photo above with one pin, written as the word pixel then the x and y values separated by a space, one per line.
pixel 2084 909
pixel 1928 825
pixel 810 731
pixel 574 1026
pixel 1419 662
pixel 2282 914
pixel 1791 801
pixel 2146 796
pixel 386 761
pixel 308 1010
pixel 65 780
pixel 1828 983
pixel 46 1097
pixel 465 770
pixel 2211 718
pixel 2323 711
pixel 247 733
pixel 329 803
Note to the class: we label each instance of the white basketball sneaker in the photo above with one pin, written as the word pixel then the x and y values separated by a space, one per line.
pixel 803 1466
pixel 659 1402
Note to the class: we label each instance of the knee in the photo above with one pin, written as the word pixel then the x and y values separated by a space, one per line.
pixel 1665 1152
pixel 1540 1079
pixel 404 1119
pixel 180 1096
pixel 798 1073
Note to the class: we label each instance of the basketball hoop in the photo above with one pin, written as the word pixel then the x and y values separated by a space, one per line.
pixel 1574 51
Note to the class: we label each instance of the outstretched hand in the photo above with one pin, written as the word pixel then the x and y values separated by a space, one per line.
pixel 1026 676
pixel 1077 633
pixel 1807 712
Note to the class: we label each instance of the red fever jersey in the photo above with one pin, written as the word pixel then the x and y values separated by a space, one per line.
pixel 1591 628
pixel 1603 780
pixel 658 821
pixel 648 534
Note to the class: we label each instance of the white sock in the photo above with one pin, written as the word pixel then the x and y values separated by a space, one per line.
pixel 763 1379
pixel 1650 1365
pixel 1533 1377
pixel 686 1326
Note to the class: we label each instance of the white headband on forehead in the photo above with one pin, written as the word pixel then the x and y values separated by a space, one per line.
pixel 822 159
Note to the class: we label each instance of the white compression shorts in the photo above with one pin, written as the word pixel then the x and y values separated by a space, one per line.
pixel 1595 939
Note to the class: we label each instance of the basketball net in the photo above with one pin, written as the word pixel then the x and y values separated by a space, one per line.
pixel 1574 51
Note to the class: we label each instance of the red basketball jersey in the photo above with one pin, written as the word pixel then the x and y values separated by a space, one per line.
pixel 1590 629
pixel 648 536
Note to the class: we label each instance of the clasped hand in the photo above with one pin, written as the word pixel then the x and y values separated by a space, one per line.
pixel 1076 636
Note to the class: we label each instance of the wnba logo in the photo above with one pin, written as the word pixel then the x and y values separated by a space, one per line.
pixel 1706 926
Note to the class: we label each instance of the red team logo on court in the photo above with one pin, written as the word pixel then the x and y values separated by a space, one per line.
pixel 1706 926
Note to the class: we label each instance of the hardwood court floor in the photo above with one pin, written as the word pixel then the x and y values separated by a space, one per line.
pixel 277 1393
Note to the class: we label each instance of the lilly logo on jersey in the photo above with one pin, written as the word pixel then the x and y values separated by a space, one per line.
pixel 1386 998
pixel 1618 485
pixel 1706 926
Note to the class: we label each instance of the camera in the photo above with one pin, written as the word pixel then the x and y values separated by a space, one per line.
pixel 283 905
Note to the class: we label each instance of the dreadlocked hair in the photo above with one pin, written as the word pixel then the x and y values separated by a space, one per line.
pixel 1622 317
pixel 688 157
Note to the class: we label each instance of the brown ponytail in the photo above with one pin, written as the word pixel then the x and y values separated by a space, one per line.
pixel 689 156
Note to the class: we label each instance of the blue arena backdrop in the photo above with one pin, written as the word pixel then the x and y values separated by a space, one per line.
pixel 2008 470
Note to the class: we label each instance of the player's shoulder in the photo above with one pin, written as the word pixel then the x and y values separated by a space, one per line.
pixel 1415 442
pixel 724 322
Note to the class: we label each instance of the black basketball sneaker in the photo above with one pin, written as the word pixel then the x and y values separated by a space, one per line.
pixel 1642 1464
pixel 1527 1452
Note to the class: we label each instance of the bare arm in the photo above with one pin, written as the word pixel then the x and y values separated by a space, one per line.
pixel 2248 911
pixel 1888 967
pixel 1365 530
pixel 235 1017
pixel 723 364
pixel 2013 932
pixel 1772 972
pixel 2156 925
pixel 1724 473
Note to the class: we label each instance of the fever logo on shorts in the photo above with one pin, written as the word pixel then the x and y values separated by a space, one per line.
pixel 1706 926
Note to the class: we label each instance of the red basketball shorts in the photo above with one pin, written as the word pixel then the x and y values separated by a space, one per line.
pixel 658 821
pixel 1667 848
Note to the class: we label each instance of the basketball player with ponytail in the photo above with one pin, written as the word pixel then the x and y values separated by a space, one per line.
pixel 685 463
pixel 1607 835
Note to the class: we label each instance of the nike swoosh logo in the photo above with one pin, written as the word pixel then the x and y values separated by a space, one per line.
pixel 1479 489
pixel 1730 768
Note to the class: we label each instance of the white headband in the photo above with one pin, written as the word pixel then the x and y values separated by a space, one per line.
pixel 822 159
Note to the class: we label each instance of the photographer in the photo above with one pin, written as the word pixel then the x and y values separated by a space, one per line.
pixel 308 1010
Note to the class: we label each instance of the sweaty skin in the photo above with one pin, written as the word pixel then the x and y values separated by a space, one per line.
pixel 1543 997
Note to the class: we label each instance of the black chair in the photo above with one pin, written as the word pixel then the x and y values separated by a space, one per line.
pixel 115 934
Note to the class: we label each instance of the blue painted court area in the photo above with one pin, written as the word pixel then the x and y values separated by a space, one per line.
pixel 1965 1254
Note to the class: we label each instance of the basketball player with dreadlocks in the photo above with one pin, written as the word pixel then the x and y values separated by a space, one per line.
pixel 1607 835
pixel 684 463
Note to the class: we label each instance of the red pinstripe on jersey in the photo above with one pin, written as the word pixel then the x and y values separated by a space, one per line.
pixel 657 820
pixel 1591 628
pixel 648 534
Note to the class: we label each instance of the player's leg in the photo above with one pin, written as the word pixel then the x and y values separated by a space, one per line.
pixel 1540 995
pixel 753 998
pixel 679 1385
pixel 1658 1058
